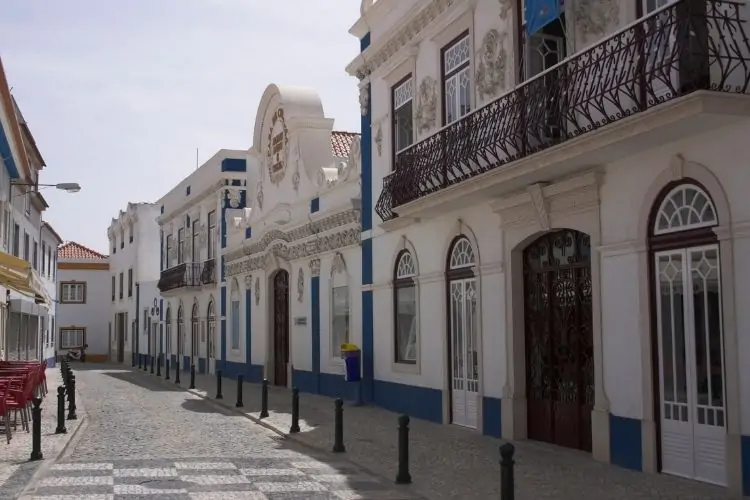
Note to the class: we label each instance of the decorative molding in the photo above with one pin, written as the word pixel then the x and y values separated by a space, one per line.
pixel 277 147
pixel 295 180
pixel 426 115
pixel 233 197
pixel 537 198
pixel 257 290
pixel 338 265
pixel 596 18
pixel 314 268
pixel 331 233
pixel 677 164
pixel 379 140
pixel 248 281
pixel 259 196
pixel 505 8
pixel 300 285
pixel 492 67
pixel 364 98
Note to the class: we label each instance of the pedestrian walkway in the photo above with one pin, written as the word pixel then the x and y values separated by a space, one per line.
pixel 448 461
pixel 15 468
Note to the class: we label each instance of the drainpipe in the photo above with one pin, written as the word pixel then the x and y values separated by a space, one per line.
pixel 137 319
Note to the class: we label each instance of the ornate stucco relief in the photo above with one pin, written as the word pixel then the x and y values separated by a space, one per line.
pixel 300 285
pixel 259 196
pixel 364 98
pixel 596 18
pixel 505 8
pixel 379 140
pixel 277 147
pixel 248 281
pixel 492 67
pixel 426 104
pixel 314 267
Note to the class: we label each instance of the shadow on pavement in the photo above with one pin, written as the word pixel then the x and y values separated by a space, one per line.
pixel 202 406
pixel 137 379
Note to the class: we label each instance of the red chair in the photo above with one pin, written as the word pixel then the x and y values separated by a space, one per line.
pixel 5 410
pixel 19 400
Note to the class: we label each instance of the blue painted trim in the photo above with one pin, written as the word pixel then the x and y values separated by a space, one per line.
pixel 625 445
pixel 745 453
pixel 248 327
pixel 201 366
pixel 223 222
pixel 187 191
pixel 369 383
pixel 236 182
pixel 419 402
pixel 248 233
pixel 367 259
pixel 326 384
pixel 491 416
pixel 162 209
pixel 249 372
pixel 6 155
pixel 315 328
pixel 366 151
pixel 223 270
pixel 364 42
pixel 314 205
pixel 223 324
pixel 161 309
pixel 233 165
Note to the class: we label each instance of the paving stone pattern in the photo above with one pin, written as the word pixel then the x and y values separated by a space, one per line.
pixel 147 439
pixel 15 468
pixel 450 462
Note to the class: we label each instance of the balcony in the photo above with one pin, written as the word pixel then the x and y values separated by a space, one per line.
pixel 188 275
pixel 688 47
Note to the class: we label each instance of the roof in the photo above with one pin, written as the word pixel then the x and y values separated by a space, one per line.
pixel 341 143
pixel 47 225
pixel 73 250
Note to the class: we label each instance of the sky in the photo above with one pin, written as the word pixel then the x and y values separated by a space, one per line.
pixel 120 94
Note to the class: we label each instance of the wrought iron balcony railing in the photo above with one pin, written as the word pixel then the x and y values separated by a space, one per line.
pixel 189 274
pixel 687 46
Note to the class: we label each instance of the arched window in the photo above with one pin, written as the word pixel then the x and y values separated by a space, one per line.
pixel 685 207
pixel 340 305
pixel 211 316
pixel 235 315
pixel 168 328
pixel 180 331
pixel 194 329
pixel 405 308
pixel 462 255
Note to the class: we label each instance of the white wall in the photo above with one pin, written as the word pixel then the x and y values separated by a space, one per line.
pixel 94 314
pixel 48 272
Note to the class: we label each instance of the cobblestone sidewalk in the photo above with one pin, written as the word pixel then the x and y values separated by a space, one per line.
pixel 16 471
pixel 450 462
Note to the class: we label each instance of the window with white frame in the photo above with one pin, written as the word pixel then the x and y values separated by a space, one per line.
pixel 212 234
pixel 403 119
pixel 456 79
pixel 168 257
pixel 405 308
pixel 340 306
pixel 71 338
pixel 72 292
pixel 194 243
pixel 235 341
pixel 181 245
pixel 211 328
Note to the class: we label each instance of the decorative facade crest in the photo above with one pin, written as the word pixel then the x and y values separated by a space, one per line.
pixel 379 140
pixel 233 197
pixel 314 267
pixel 427 104
pixel 364 98
pixel 300 285
pixel 492 67
pixel 338 265
pixel 596 18
pixel 259 196
pixel 277 147
pixel 248 281
pixel 257 291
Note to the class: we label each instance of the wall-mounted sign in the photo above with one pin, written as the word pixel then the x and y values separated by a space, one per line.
pixel 300 321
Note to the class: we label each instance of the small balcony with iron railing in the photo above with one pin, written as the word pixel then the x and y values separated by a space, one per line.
pixel 688 49
pixel 188 275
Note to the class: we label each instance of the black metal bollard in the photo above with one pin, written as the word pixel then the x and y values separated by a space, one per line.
pixel 72 398
pixel 36 430
pixel 219 395
pixel 61 411
pixel 295 411
pixel 158 366
pixel 264 399
pixel 239 404
pixel 403 476
pixel 177 372
pixel 166 369
pixel 507 481
pixel 338 426
pixel 192 376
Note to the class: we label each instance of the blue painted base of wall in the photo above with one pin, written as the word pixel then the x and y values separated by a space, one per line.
pixel 201 366
pixel 625 445
pixel 186 363
pixel 419 402
pixel 491 417
pixel 50 362
pixel 250 373
pixel 325 384
pixel 745 447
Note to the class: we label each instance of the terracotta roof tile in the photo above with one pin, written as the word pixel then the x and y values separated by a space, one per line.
pixel 341 143
pixel 73 250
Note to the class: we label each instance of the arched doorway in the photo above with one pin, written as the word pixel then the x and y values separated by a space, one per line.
pixel 194 334
pixel 463 333
pixel 280 327
pixel 687 334
pixel 559 339
pixel 211 320
pixel 180 335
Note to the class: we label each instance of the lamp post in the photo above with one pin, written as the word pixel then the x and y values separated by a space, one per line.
pixel 69 187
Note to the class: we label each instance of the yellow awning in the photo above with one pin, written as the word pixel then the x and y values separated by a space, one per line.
pixel 15 274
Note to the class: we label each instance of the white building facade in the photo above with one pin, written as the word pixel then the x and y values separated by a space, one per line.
pixel 192 231
pixel 48 272
pixel 134 274
pixel 293 262
pixel 83 309
pixel 553 214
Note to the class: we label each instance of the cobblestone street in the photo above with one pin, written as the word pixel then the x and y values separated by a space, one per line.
pixel 144 439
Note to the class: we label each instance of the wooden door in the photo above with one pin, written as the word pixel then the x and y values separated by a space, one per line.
pixel 280 327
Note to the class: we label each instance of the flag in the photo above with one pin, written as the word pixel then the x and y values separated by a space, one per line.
pixel 539 13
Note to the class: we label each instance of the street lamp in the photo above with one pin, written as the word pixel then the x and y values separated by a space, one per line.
pixel 69 187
